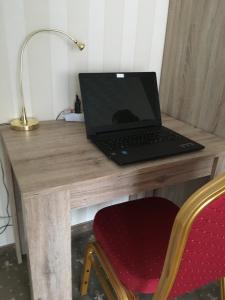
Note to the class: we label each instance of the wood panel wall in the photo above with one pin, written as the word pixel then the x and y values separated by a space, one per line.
pixel 193 73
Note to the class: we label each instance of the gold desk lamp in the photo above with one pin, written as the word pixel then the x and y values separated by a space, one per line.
pixel 24 123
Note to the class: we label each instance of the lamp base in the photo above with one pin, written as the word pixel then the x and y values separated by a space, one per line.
pixel 31 124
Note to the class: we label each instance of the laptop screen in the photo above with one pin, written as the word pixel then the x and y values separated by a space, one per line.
pixel 115 101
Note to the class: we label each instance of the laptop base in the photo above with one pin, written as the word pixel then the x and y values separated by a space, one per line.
pixel 124 154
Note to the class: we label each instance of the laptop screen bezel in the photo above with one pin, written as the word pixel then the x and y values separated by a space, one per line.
pixel 118 127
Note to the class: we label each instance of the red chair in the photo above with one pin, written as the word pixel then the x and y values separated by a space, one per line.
pixel 150 246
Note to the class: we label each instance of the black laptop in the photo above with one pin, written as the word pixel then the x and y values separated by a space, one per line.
pixel 123 119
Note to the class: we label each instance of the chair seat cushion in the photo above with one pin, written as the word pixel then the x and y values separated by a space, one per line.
pixel 134 236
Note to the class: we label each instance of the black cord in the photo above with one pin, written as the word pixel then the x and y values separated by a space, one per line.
pixel 69 110
pixel 4 124
pixel 4 227
pixel 59 115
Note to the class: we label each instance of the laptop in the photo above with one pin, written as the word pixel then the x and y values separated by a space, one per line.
pixel 123 118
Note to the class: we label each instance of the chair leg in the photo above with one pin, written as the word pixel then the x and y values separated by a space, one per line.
pixel 119 289
pixel 130 295
pixel 102 279
pixel 86 270
pixel 222 288
pixel 89 262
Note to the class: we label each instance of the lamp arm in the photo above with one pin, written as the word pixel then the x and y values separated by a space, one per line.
pixel 27 39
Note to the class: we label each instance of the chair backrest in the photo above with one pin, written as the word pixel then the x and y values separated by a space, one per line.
pixel 196 251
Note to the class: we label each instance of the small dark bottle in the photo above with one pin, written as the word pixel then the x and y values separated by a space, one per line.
pixel 77 105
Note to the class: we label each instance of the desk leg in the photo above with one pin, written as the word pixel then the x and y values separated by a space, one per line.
pixel 48 232
pixel 12 204
pixel 218 166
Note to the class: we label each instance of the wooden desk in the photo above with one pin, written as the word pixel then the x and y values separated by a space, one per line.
pixel 57 168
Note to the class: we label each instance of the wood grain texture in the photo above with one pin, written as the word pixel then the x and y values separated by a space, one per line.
pixel 193 74
pixel 18 203
pixel 57 168
pixel 179 193
pixel 47 221
pixel 106 188
pixel 218 166
pixel 192 86
pixel 12 204
pixel 58 156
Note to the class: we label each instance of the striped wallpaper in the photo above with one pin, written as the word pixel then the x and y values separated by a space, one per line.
pixel 121 35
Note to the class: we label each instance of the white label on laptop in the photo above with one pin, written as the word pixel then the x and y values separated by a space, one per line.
pixel 120 75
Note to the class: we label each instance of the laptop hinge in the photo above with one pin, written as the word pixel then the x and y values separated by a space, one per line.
pixel 126 129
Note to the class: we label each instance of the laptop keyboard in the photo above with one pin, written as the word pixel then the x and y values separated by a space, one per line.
pixel 145 137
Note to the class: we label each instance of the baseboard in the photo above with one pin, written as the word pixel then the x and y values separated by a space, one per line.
pixel 3 248
pixel 75 229
pixel 81 228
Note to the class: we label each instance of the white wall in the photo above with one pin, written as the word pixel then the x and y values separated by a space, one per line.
pixel 124 35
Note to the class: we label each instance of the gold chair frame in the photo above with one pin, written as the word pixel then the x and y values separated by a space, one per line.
pixel 179 235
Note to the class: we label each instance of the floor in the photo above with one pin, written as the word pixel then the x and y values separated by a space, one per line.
pixel 14 283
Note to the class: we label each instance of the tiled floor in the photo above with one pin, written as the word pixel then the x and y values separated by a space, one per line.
pixel 14 283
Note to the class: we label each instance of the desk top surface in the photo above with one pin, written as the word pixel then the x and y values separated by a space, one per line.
pixel 58 154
